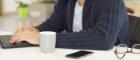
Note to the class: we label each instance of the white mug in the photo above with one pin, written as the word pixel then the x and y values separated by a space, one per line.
pixel 47 41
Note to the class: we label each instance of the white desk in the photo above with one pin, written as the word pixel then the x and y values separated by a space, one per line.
pixel 34 53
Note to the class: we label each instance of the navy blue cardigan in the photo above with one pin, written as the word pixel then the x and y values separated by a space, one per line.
pixel 105 22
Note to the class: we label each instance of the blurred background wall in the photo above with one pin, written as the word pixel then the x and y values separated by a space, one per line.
pixel 10 16
pixel 10 6
pixel 135 5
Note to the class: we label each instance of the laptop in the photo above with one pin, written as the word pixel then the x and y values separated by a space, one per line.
pixel 4 42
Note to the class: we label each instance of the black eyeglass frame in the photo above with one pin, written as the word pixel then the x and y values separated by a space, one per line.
pixel 131 51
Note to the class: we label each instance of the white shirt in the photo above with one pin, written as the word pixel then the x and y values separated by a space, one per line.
pixel 77 21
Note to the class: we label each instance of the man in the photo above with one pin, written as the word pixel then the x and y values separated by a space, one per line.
pixel 89 24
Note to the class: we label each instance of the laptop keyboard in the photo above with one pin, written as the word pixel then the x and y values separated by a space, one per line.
pixel 4 41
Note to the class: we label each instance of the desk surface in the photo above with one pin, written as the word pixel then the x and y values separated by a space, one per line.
pixel 34 53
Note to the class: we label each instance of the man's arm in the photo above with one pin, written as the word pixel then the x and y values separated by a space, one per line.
pixel 57 21
pixel 103 35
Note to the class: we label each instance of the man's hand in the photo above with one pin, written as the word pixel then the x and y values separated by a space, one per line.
pixel 28 34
